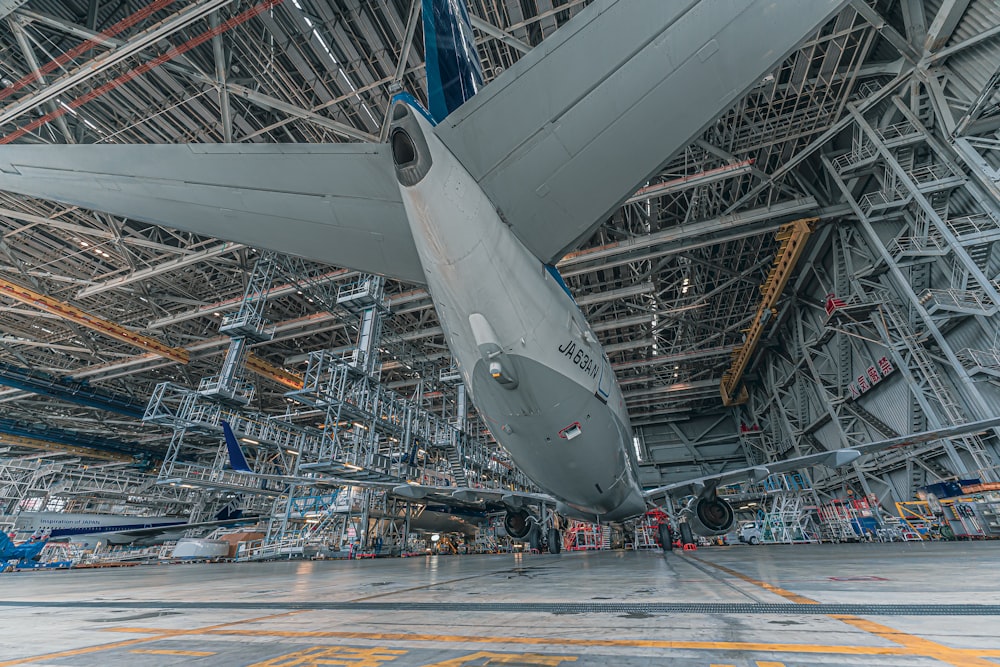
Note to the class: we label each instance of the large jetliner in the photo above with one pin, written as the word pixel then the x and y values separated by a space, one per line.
pixel 89 529
pixel 477 199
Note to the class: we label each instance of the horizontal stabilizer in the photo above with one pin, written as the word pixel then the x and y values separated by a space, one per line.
pixel 576 126
pixel 334 203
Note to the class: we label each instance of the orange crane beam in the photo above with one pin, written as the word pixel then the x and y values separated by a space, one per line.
pixel 85 319
pixel 793 237
pixel 276 373
pixel 45 445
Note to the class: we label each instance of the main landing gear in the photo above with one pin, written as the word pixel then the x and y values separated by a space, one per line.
pixel 554 540
pixel 545 535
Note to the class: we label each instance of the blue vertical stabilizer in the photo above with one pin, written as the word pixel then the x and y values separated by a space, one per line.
pixel 6 547
pixel 237 461
pixel 454 73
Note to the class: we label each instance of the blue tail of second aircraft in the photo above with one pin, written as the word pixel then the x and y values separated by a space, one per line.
pixel 236 459
pixel 454 73
pixel 6 547
pixel 30 550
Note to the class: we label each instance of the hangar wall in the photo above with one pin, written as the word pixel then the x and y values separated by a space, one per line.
pixel 893 326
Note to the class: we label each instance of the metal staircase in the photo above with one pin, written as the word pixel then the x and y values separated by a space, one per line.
pixel 902 340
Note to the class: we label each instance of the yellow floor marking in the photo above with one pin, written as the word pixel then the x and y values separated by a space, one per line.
pixel 334 655
pixel 519 659
pixel 788 595
pixel 770 664
pixel 164 651
pixel 551 641
pixel 918 645
pixel 161 634
pixel 931 649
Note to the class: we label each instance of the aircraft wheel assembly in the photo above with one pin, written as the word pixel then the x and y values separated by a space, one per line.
pixel 535 538
pixel 666 539
pixel 555 541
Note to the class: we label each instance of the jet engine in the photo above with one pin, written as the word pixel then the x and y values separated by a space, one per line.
pixel 517 523
pixel 709 516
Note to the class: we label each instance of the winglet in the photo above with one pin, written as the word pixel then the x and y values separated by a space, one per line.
pixel 454 73
pixel 237 461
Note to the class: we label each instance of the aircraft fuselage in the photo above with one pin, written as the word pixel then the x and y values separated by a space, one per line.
pixel 532 364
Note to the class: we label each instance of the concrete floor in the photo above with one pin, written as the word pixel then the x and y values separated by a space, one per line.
pixel 362 613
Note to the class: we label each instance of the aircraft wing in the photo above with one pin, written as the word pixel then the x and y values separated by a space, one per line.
pixel 835 458
pixel 334 203
pixel 125 536
pixel 563 137
pixel 469 495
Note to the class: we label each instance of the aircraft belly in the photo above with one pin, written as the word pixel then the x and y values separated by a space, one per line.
pixel 588 470
pixel 500 307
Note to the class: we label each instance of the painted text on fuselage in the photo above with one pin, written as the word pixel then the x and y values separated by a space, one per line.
pixel 582 359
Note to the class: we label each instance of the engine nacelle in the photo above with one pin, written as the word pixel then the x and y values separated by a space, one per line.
pixel 517 523
pixel 709 516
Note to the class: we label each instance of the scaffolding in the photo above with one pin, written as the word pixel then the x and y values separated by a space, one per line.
pixel 786 518
pixel 647 528
pixel 585 536
pixel 849 520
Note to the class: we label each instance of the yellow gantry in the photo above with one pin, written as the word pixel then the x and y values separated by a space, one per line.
pixel 85 319
pixel 792 237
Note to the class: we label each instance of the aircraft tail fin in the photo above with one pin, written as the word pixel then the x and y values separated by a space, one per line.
pixel 6 547
pixel 236 459
pixel 454 73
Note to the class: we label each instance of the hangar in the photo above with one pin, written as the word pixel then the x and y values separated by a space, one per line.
pixel 284 280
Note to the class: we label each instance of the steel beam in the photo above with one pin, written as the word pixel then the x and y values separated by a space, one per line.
pixel 160 269
pixel 944 23
pixel 107 60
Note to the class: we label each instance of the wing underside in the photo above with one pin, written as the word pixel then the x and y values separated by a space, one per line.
pixel 833 459
pixel 336 203
pixel 564 136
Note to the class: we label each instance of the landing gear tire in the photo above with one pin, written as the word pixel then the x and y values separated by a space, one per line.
pixel 555 541
pixel 535 538
pixel 666 538
pixel 687 537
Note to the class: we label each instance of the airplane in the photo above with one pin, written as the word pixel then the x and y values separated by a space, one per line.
pixel 477 198
pixel 27 550
pixel 443 517
pixel 89 530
